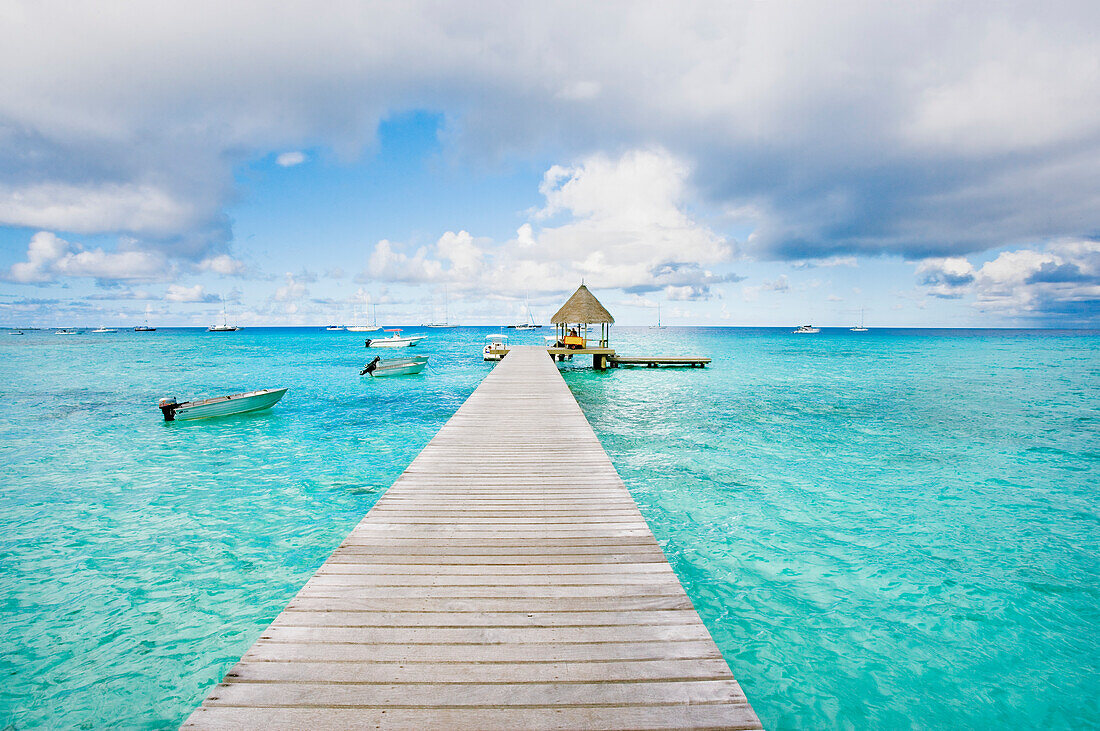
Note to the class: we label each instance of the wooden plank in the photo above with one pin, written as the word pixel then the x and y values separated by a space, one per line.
pixel 634 716
pixel 506 580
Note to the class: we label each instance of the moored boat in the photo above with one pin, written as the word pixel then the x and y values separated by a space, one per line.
pixel 862 328
pixel 494 349
pixel 394 366
pixel 225 327
pixel 104 330
pixel 806 330
pixel 335 328
pixel 238 403
pixel 66 331
pixel 395 340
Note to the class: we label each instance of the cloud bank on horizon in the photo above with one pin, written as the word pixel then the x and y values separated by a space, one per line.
pixel 934 133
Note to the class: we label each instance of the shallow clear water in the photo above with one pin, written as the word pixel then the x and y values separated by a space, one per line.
pixel 892 529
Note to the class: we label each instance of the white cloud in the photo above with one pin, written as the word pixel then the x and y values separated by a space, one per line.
pixel 96 208
pixel 293 291
pixel 290 159
pixel 617 223
pixel 197 293
pixel 1061 280
pixel 843 127
pixel 50 257
pixel 221 264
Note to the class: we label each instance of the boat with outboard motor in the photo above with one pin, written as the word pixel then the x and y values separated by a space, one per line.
pixel 395 340
pixel 394 366
pixel 238 403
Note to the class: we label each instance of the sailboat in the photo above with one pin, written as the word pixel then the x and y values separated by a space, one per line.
pixel 446 313
pixel 364 328
pixel 658 326
pixel 225 327
pixel 861 328
pixel 530 323
pixel 145 328
pixel 104 329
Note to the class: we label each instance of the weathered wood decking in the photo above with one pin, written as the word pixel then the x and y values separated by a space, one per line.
pixel 506 580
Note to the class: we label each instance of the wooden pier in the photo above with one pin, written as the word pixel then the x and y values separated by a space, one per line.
pixel 506 580
pixel 655 361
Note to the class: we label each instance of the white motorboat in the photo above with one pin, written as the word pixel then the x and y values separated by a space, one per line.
pixel 395 340
pixel 335 328
pixel 238 403
pixel 144 329
pixel 362 328
pixel 861 328
pixel 66 331
pixel 494 349
pixel 806 330
pixel 394 366
pixel 104 330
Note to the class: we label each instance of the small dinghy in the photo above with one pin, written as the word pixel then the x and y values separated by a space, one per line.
pixel 238 403
pixel 394 366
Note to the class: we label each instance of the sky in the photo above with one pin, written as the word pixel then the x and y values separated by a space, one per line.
pixel 732 163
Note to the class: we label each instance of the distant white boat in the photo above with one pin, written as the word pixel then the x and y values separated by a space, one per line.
pixel 364 328
pixel 66 331
pixel 394 366
pixel 530 323
pixel 395 340
pixel 446 313
pixel 144 328
pixel 104 330
pixel 225 327
pixel 238 403
pixel 496 343
pixel 335 328
pixel 861 328
pixel 658 326
pixel 806 330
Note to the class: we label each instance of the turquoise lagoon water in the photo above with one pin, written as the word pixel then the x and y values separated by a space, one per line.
pixel 895 529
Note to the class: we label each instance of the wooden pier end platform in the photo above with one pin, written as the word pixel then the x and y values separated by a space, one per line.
pixel 505 581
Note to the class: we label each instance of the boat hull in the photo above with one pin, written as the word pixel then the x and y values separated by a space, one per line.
pixel 229 405
pixel 363 328
pixel 400 367
pixel 395 342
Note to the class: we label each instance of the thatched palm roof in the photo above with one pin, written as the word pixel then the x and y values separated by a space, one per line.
pixel 582 307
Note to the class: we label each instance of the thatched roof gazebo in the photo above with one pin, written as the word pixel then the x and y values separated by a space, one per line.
pixel 574 317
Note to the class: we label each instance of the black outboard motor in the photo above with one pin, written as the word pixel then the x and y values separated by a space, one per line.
pixel 168 408
pixel 367 345
pixel 370 366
